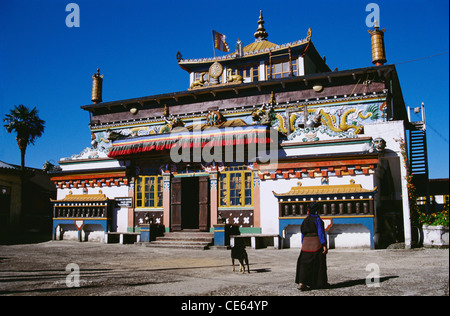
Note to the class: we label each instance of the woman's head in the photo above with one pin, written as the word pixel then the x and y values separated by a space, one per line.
pixel 313 208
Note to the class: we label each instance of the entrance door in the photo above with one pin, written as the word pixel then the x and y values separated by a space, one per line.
pixel 190 203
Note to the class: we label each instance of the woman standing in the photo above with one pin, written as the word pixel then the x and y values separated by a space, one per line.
pixel 312 263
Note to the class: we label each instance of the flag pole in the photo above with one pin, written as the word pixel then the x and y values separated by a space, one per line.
pixel 214 50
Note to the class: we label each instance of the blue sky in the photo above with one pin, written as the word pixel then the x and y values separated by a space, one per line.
pixel 46 64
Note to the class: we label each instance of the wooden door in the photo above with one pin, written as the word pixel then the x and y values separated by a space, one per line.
pixel 176 204
pixel 203 204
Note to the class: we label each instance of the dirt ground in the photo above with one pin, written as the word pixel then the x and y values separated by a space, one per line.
pixel 50 268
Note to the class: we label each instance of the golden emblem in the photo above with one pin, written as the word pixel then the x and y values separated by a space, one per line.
pixel 216 70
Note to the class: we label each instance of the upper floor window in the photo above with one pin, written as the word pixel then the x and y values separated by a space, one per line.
pixel 281 69
pixel 249 73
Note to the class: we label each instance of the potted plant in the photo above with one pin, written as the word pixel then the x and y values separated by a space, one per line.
pixel 435 228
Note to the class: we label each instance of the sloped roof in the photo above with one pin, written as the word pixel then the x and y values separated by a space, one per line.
pixel 252 49
pixel 257 46
pixel 325 190
pixel 83 198
pixel 7 166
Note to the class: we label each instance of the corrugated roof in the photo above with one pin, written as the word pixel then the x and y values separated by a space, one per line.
pixel 83 198
pixel 257 46
pixel 325 190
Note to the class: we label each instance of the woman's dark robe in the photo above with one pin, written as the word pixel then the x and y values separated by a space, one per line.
pixel 312 263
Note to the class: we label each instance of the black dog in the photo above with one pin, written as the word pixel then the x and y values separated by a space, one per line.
pixel 238 252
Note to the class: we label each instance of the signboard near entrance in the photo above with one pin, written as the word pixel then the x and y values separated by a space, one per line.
pixel 124 201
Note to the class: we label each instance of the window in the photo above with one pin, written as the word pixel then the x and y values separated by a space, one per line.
pixel 281 69
pixel 235 189
pixel 250 73
pixel 149 192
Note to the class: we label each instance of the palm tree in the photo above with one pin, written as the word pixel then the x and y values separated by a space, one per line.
pixel 27 125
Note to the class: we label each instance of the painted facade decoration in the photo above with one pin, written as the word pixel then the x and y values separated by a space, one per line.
pixel 256 153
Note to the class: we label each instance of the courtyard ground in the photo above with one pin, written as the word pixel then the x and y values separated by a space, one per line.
pixel 49 268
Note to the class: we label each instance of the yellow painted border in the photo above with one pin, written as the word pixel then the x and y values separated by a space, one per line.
pixel 155 191
pixel 228 173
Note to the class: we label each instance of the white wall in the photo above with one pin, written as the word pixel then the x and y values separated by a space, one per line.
pixel 110 192
pixel 269 203
pixel 100 164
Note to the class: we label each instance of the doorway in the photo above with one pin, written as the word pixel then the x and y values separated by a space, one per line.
pixel 189 203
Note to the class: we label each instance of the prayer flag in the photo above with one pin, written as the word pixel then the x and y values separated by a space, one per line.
pixel 219 42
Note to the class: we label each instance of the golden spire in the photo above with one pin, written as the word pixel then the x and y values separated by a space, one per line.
pixel 261 33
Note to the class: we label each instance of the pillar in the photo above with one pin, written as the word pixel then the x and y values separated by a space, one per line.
pixel 256 200
pixel 213 198
pixel 166 203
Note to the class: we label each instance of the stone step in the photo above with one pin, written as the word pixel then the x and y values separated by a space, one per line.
pixel 180 244
pixel 201 246
pixel 185 240
pixel 190 233
pixel 191 238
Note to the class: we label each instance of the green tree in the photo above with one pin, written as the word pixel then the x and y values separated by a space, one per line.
pixel 27 125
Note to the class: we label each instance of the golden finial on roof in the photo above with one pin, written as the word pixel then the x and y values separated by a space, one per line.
pixel 308 36
pixel 261 33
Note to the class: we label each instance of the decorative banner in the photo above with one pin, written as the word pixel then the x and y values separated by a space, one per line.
pixel 229 136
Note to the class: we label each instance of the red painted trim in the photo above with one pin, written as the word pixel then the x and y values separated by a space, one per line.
pixel 318 164
pixel 88 176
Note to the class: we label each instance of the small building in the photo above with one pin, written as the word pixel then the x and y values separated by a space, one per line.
pixel 257 135
pixel 28 216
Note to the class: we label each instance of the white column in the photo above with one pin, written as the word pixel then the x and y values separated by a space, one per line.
pixel 301 66
pixel 262 71
pixel 405 204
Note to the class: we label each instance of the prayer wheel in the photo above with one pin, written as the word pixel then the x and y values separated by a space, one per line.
pixel 378 51
pixel 97 81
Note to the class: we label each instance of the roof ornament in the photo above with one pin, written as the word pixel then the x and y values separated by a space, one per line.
pixel 179 57
pixel 261 33
pixel 378 50
pixel 239 49
pixel 308 36
pixel 97 82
